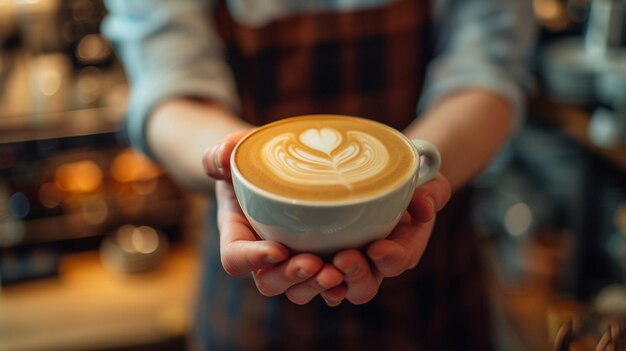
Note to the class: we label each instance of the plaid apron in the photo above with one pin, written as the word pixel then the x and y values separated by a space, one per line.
pixel 367 63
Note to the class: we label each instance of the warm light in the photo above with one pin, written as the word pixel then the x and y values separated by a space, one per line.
pixel 49 82
pixel 81 176
pixel 145 240
pixel 548 9
pixel 551 13
pixel 129 166
pixel 27 1
pixel 50 196
pixel 92 47
pixel 123 237
pixel 133 239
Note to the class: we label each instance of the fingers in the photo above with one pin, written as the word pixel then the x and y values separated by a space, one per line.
pixel 362 282
pixel 404 247
pixel 301 277
pixel 389 258
pixel 430 198
pixel 216 159
pixel 277 279
pixel 402 250
pixel 242 256
pixel 327 278
pixel 240 250
pixel 335 296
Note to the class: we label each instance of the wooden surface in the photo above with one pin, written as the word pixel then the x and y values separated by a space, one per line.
pixel 91 307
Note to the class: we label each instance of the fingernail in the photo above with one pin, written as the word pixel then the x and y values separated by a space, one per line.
pixel 431 202
pixel 376 256
pixel 352 269
pixel 217 158
pixel 271 260
pixel 380 259
pixel 302 274
pixel 430 213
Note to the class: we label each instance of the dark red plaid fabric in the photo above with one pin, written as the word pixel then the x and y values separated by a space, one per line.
pixel 366 63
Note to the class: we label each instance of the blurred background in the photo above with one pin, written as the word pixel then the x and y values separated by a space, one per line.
pixel 97 244
pixel 94 239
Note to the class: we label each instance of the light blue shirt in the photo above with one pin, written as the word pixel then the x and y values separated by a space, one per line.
pixel 169 48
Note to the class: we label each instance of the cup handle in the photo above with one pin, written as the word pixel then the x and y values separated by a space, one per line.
pixel 428 150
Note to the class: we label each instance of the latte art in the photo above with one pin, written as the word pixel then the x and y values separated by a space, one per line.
pixel 325 157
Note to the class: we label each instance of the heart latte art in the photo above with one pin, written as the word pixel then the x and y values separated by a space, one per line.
pixel 322 158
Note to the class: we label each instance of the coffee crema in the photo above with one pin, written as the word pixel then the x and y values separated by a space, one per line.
pixel 325 158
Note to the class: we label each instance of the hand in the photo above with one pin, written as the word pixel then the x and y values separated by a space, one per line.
pixel 400 251
pixel 275 271
pixel 303 276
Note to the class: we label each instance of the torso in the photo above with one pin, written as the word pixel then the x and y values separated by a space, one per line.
pixel 369 63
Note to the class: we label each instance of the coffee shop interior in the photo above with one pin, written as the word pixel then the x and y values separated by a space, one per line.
pixel 98 244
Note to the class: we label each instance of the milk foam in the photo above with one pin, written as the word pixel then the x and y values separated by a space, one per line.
pixel 325 157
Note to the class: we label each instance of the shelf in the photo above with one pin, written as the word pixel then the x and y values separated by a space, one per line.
pixel 58 125
pixel 574 122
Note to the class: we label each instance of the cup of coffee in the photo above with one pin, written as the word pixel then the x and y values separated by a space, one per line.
pixel 322 183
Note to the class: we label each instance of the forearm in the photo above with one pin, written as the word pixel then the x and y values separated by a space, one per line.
pixel 468 127
pixel 180 130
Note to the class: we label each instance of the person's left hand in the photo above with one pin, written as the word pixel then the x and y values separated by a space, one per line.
pixel 390 257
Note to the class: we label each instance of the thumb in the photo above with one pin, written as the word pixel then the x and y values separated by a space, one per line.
pixel 430 198
pixel 216 159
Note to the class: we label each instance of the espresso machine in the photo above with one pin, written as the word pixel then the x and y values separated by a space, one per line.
pixel 67 182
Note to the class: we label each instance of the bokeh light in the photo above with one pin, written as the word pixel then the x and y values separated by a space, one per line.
pixel 19 205
pixel 81 177
pixel 50 195
pixel 518 219
pixel 129 166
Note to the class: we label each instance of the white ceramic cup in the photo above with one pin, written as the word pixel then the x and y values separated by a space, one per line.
pixel 325 227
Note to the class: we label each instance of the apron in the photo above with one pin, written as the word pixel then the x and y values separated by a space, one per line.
pixel 367 63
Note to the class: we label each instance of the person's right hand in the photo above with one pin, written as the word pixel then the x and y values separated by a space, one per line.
pixel 275 270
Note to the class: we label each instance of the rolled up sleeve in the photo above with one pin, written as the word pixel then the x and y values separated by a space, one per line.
pixel 485 44
pixel 168 49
